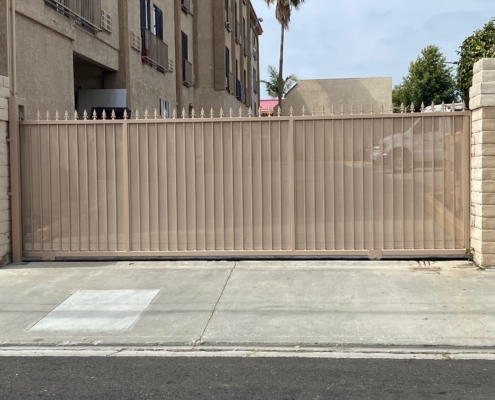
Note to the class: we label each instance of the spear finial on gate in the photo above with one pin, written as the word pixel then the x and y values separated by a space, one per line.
pixel 38 115
pixel 432 106
pixel 453 106
pixel 146 114
pixel 125 114
pixel 422 106
pixel 250 112
pixel 103 115
pixel 231 113
pixel 193 113
pixel 332 110
pixel 391 108
pixel 212 113
pixel 66 115
pixel 57 115
pixel 75 115
pixel 48 115
pixel 291 111
pixel 412 108
pixel 240 112
pixel 221 112
pixel 136 114
pixel 259 112
pixel 279 111
pixel 155 114
pixel 202 114
pixel 174 113
pixel 443 108
pixel 183 113
pixel 402 108
pixel 302 113
pixel 382 109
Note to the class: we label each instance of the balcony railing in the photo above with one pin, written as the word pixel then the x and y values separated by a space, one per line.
pixel 228 13
pixel 187 73
pixel 230 83
pixel 154 50
pixel 239 92
pixel 87 12
pixel 238 31
pixel 186 6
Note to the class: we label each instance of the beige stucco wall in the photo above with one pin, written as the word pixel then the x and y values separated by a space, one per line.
pixel 337 92
pixel 44 67
pixel 482 104
pixel 5 215
pixel 46 42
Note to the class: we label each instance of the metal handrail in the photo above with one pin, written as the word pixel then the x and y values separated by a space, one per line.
pixel 187 72
pixel 88 11
pixel 154 49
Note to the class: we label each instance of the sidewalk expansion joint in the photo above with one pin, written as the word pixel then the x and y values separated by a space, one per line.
pixel 199 341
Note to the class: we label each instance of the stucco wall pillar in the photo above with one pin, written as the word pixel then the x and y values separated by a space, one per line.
pixel 482 104
pixel 5 214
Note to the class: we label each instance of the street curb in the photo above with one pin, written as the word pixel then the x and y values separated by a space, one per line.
pixel 440 354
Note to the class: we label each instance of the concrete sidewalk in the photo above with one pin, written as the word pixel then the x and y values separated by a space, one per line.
pixel 234 304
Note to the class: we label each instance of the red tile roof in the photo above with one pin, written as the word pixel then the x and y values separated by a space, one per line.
pixel 268 105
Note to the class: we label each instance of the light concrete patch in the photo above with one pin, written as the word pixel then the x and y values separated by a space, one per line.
pixel 97 310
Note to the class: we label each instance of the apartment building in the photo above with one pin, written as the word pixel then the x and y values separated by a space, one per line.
pixel 135 54
pixel 228 54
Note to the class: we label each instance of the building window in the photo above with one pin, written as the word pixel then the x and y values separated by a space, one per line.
pixel 145 21
pixel 227 69
pixel 154 51
pixel 164 108
pixel 187 69
pixel 157 22
pixel 244 81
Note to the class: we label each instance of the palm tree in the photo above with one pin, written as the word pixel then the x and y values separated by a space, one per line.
pixel 272 83
pixel 283 11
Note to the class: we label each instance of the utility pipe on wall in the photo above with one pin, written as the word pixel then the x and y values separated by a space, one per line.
pixel 7 22
pixel 13 78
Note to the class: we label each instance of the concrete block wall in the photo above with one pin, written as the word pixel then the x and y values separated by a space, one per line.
pixel 5 215
pixel 482 105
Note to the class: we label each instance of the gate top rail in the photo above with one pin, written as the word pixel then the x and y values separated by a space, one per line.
pixel 313 113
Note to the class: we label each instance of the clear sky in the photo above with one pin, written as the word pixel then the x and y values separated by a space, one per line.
pixel 366 38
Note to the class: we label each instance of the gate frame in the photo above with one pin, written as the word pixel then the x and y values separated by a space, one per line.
pixel 17 108
pixel 17 114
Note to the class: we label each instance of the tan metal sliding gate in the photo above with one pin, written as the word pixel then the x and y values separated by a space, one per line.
pixel 358 185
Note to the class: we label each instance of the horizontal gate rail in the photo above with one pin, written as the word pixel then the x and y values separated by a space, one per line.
pixel 341 185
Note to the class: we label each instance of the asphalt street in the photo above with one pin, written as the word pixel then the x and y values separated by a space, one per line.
pixel 243 378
